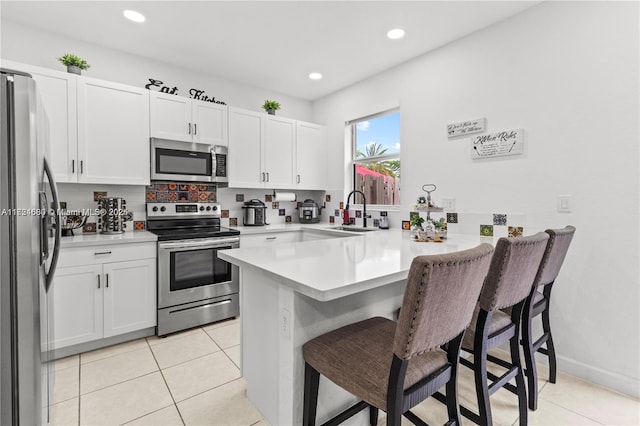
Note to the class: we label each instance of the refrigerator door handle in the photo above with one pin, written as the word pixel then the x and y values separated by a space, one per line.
pixel 44 220
pixel 58 228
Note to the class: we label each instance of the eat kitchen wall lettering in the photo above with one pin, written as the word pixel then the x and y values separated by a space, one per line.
pixel 193 93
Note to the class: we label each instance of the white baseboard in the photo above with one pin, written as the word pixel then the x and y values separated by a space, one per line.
pixel 624 384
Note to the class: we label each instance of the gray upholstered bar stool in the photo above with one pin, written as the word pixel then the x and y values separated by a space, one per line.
pixel 511 276
pixel 394 366
pixel 538 303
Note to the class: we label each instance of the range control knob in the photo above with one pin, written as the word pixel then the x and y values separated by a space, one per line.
pixel 215 208
pixel 155 209
pixel 208 208
pixel 201 208
pixel 163 208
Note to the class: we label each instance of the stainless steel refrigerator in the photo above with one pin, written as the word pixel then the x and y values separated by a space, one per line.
pixel 29 247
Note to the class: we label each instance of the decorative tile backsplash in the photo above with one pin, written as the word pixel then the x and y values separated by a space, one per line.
pixel 180 192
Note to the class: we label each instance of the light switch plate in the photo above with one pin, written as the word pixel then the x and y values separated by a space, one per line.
pixel 565 203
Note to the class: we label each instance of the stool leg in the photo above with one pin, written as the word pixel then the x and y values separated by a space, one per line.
pixel 529 358
pixel 311 383
pixel 546 327
pixel 480 367
pixel 453 356
pixel 373 415
pixel 516 317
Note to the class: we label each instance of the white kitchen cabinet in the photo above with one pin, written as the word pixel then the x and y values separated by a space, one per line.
pixel 267 239
pixel 58 94
pixel 102 294
pixel 129 296
pixel 310 156
pixel 98 130
pixel 113 133
pixel 246 137
pixel 266 152
pixel 190 120
pixel 278 153
pixel 77 305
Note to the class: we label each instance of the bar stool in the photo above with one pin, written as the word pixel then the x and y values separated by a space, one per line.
pixel 391 365
pixel 511 276
pixel 538 303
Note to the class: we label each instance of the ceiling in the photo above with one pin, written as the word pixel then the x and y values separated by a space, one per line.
pixel 269 44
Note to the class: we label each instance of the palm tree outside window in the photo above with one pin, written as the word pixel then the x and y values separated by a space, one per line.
pixel 376 158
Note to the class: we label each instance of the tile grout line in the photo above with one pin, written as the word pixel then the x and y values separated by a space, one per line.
pixel 166 384
pixel 207 390
pixel 79 389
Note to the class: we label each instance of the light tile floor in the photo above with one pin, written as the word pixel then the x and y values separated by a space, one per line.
pixel 193 378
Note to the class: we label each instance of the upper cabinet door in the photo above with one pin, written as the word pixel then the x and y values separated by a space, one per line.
pixel 310 156
pixel 58 93
pixel 113 133
pixel 245 144
pixel 279 145
pixel 170 117
pixel 209 123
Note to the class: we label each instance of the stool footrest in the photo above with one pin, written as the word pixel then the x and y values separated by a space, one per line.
pixel 349 412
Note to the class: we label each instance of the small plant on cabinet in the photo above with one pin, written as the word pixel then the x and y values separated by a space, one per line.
pixel 271 106
pixel 74 63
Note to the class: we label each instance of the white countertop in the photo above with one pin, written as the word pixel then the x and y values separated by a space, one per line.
pixel 97 239
pixel 332 268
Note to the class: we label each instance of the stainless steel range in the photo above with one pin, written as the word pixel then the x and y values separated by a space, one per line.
pixel 195 287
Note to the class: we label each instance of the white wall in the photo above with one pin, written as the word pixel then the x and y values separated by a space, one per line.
pixel 566 72
pixel 32 46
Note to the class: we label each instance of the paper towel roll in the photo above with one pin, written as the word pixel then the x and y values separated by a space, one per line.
pixel 285 196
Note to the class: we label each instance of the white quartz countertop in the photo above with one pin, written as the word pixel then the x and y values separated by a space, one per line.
pixel 331 268
pixel 97 239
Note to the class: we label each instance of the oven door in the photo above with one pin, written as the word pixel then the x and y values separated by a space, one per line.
pixel 190 270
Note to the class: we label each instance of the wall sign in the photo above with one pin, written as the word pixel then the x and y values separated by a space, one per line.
pixel 466 127
pixel 510 142
pixel 198 94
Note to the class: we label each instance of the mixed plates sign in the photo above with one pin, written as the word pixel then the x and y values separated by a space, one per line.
pixel 500 144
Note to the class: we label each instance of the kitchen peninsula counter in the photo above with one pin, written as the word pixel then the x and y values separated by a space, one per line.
pixel 291 293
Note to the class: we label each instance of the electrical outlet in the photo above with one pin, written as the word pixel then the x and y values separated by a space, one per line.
pixel 449 204
pixel 565 203
pixel 285 323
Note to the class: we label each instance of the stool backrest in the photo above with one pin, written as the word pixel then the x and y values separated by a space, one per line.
pixel 557 247
pixel 442 291
pixel 513 269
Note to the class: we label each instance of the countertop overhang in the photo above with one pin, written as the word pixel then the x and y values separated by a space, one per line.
pixel 331 268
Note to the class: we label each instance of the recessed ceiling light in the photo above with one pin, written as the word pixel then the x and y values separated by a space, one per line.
pixel 134 16
pixel 315 76
pixel 395 33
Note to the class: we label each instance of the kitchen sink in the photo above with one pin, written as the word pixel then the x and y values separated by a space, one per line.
pixel 353 228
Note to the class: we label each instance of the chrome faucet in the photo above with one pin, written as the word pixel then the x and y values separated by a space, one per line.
pixel 364 206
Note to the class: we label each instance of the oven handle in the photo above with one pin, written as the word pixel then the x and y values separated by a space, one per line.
pixel 186 244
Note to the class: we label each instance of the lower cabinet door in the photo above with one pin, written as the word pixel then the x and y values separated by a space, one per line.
pixel 129 296
pixel 77 305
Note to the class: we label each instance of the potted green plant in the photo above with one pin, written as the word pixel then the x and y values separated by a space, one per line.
pixel 271 107
pixel 416 222
pixel 440 226
pixel 75 64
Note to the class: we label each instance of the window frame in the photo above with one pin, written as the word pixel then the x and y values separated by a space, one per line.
pixel 354 153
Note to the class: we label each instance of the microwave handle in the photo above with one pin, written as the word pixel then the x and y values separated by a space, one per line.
pixel 214 162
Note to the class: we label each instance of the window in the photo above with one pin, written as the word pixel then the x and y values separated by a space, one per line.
pixel 376 158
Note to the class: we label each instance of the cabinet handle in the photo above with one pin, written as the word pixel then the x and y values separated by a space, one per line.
pixel 107 280
pixel 263 178
pixel 98 280
pixel 195 128
pixel 189 128
pixel 98 253
pixel 267 176
pixel 271 238
pixel 73 166
pixel 298 179
pixel 81 167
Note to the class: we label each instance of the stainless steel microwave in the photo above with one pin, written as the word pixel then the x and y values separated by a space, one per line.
pixel 187 161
